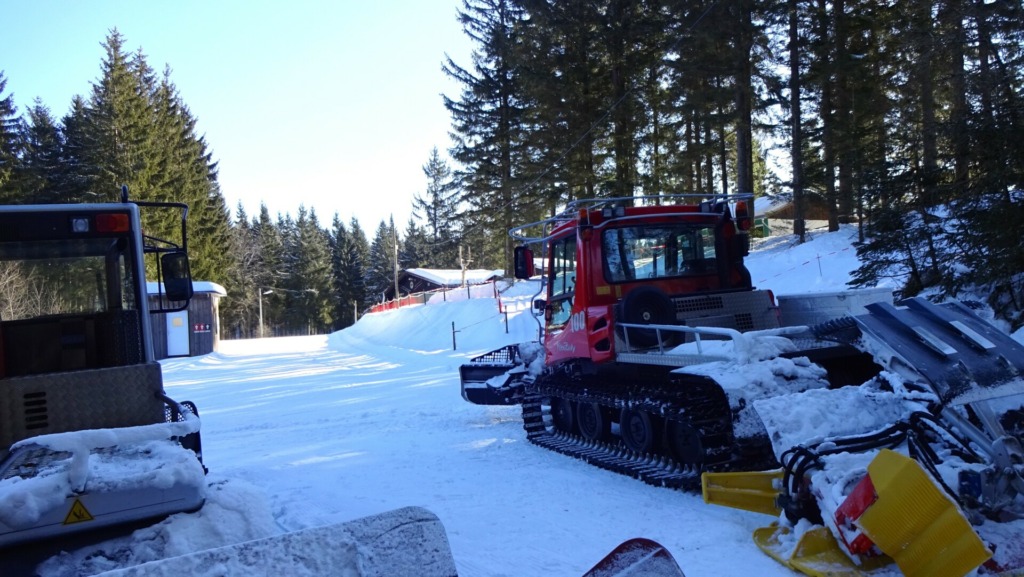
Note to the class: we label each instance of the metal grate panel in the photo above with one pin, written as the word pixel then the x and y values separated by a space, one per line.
pixel 741 310
pixel 699 304
pixel 744 322
pixel 36 415
pixel 90 399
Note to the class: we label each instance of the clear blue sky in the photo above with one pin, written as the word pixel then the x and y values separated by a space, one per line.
pixel 331 104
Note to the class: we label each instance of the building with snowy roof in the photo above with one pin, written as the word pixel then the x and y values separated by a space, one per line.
pixel 420 280
pixel 191 332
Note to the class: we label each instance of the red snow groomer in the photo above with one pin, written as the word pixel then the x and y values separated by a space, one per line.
pixel 659 359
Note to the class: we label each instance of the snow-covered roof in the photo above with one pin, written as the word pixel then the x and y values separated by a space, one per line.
pixel 198 286
pixel 453 277
pixel 766 204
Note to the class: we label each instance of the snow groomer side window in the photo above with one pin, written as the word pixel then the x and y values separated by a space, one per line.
pixel 645 252
pixel 563 280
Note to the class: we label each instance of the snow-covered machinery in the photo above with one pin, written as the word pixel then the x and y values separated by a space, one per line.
pixel 645 310
pixel 921 467
pixel 88 437
pixel 658 358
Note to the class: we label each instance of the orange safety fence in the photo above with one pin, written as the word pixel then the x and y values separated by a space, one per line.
pixel 488 289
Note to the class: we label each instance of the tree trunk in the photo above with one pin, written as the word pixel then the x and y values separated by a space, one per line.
pixel 828 119
pixel 744 98
pixel 844 142
pixel 953 18
pixel 796 126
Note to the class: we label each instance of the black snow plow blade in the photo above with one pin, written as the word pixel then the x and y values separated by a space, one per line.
pixel 963 357
pixel 637 556
pixel 491 378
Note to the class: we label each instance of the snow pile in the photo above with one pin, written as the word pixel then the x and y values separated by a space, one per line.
pixel 746 383
pixel 817 415
pixel 26 500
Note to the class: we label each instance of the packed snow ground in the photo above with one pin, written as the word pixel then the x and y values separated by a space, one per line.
pixel 311 431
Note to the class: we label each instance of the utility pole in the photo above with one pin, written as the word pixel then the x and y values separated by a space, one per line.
pixel 259 291
pixel 394 229
pixel 465 262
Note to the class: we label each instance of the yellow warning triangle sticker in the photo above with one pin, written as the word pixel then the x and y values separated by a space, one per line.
pixel 77 514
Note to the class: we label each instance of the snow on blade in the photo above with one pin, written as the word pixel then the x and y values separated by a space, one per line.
pixel 80 443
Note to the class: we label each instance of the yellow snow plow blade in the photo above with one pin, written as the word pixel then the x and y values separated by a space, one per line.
pixel 904 514
pixel 816 553
pixel 913 521
pixel 751 491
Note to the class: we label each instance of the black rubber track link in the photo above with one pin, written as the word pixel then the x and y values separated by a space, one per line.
pixel 699 402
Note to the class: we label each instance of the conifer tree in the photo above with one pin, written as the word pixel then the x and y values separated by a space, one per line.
pixel 135 130
pixel 118 123
pixel 73 178
pixel 796 49
pixel 313 303
pixel 40 164
pixel 986 52
pixel 743 38
pixel 565 80
pixel 210 236
pixel 9 131
pixel 186 173
pixel 697 99
pixel 351 254
pixel 634 43
pixel 344 311
pixel 240 310
pixel 417 249
pixel 269 266
pixel 383 264
pixel 289 282
pixel 438 209
pixel 487 127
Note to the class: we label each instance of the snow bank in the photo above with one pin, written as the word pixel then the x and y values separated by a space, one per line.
pixel 825 263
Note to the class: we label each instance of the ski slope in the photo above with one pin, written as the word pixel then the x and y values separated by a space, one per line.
pixel 311 431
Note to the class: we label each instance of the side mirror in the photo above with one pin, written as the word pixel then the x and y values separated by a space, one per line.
pixel 523 263
pixel 540 304
pixel 177 276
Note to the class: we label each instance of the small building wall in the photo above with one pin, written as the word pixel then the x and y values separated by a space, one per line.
pixel 203 322
pixel 410 284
